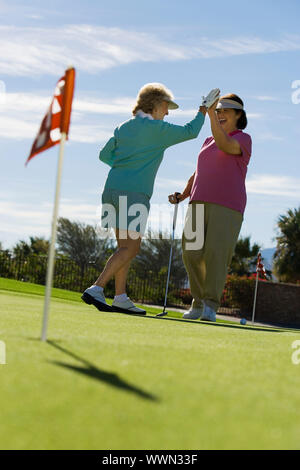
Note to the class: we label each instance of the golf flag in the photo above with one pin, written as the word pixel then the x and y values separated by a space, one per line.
pixel 54 129
pixel 57 118
pixel 260 269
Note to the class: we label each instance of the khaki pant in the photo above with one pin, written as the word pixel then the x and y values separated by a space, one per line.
pixel 207 267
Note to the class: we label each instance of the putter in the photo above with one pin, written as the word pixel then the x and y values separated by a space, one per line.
pixel 164 312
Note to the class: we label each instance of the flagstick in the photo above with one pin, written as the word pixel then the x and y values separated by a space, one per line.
pixel 254 305
pixel 51 255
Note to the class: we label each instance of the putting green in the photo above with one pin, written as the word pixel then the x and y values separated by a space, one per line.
pixel 114 381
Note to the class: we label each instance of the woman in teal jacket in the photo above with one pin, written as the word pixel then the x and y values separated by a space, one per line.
pixel 134 153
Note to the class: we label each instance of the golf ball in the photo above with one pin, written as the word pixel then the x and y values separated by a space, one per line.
pixel 243 321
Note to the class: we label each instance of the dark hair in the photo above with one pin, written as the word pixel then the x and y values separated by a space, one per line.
pixel 242 121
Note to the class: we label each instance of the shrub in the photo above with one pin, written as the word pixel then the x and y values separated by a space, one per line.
pixel 239 293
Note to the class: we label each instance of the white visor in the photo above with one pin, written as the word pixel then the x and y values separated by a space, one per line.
pixel 171 104
pixel 226 103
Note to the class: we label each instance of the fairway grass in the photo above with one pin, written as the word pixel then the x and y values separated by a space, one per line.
pixel 115 381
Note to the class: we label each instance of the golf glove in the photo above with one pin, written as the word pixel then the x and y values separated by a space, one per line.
pixel 211 98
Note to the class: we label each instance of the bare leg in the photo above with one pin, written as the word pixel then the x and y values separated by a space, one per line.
pixel 121 278
pixel 119 263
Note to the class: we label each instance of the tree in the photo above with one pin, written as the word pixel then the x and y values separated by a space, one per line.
pixel 2 250
pixel 154 256
pixel 36 246
pixel 287 255
pixel 81 243
pixel 244 260
pixel 22 249
pixel 39 246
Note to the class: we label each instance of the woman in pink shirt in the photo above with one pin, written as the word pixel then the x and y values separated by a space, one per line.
pixel 218 186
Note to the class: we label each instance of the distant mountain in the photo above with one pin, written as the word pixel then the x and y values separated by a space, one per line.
pixel 267 255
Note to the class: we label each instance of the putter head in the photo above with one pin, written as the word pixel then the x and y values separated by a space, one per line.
pixel 162 314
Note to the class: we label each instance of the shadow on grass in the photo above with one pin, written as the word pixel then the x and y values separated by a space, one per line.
pixel 263 329
pixel 89 370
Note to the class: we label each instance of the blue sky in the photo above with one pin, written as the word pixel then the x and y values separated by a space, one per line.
pixel 116 47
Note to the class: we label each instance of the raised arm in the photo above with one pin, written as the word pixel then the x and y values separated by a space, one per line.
pixel 223 141
pixel 171 134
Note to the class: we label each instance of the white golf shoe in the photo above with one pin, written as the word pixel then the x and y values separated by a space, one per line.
pixel 127 306
pixel 94 296
pixel 193 314
pixel 208 314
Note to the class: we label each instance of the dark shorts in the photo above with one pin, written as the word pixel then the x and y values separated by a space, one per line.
pixel 125 210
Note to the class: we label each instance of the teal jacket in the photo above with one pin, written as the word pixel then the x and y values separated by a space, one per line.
pixel 137 149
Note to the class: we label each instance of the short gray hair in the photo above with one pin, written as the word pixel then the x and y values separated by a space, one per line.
pixel 151 95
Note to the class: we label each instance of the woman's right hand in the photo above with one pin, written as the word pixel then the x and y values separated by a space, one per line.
pixel 176 198
pixel 203 110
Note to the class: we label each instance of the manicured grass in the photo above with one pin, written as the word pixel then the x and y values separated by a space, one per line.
pixel 35 289
pixel 114 381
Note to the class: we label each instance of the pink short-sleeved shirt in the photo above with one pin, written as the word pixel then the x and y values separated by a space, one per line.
pixel 220 177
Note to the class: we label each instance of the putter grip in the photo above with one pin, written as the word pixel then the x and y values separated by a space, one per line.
pixel 176 195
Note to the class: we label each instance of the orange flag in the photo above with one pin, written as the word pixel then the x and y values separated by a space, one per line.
pixel 57 119
pixel 260 269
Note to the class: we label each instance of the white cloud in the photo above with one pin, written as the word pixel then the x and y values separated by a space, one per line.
pixel 19 220
pixel 38 103
pixel 79 211
pixel 68 208
pixel 22 115
pixel 35 221
pixel 21 211
pixel 30 102
pixel 266 184
pixel 17 128
pixel 268 136
pixel 34 17
pixel 250 45
pixel 255 116
pixel 35 50
pixel 89 134
pixel 122 105
pixel 284 117
pixel 267 98
pixel 187 164
pixel 27 102
pixel 169 184
pixel 274 185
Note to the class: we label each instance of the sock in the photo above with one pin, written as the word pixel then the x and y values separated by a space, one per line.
pixel 121 297
pixel 96 288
